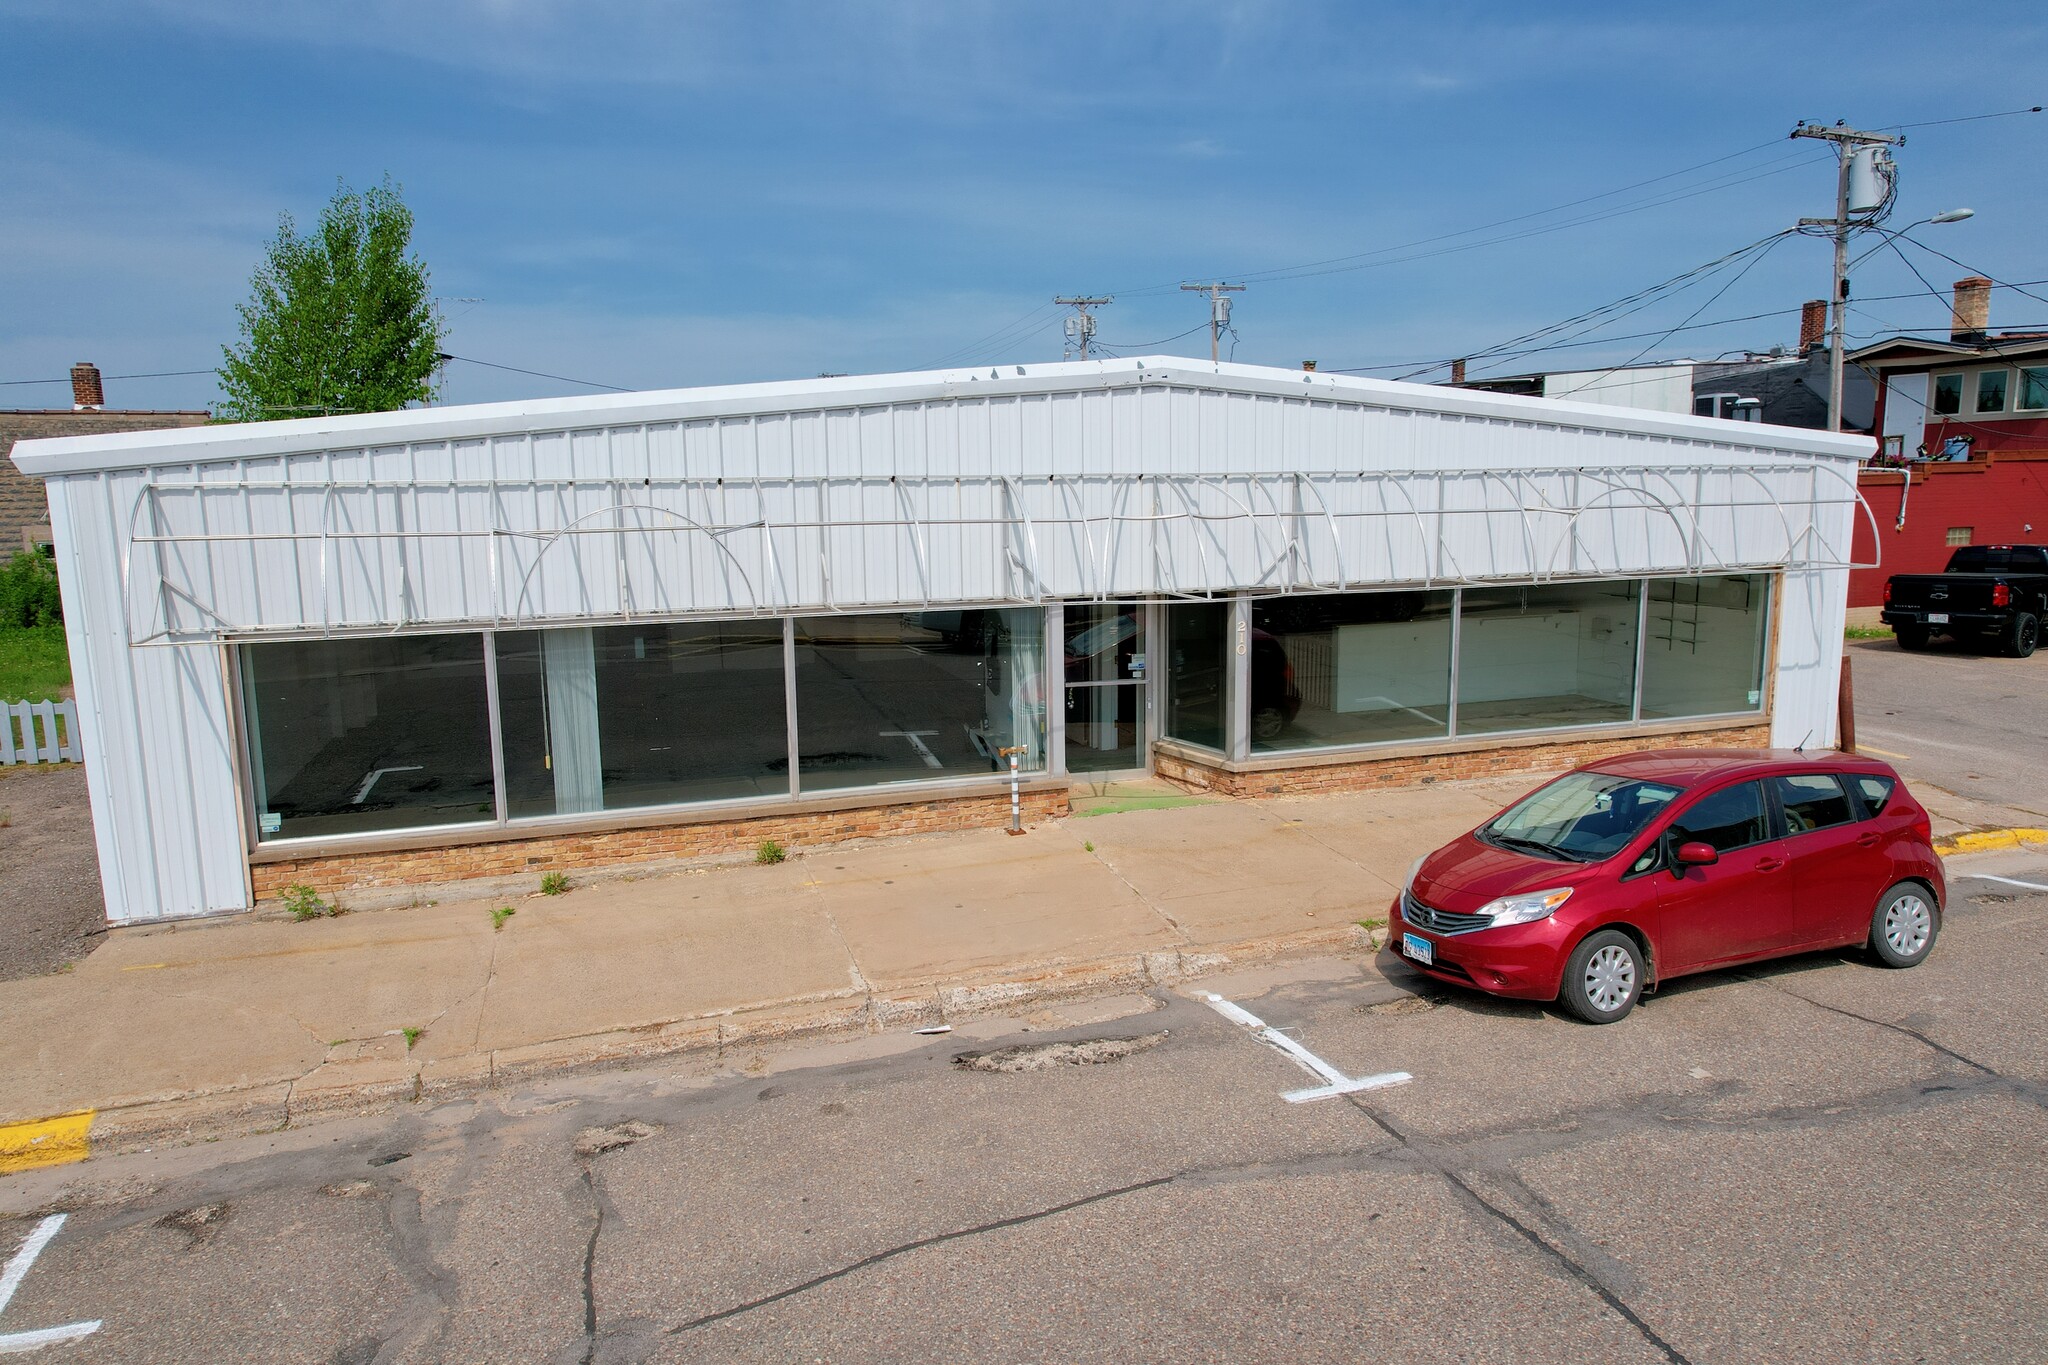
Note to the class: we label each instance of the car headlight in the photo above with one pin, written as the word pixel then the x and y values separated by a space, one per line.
pixel 1408 882
pixel 1526 908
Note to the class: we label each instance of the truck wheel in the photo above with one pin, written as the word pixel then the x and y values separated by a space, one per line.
pixel 1911 637
pixel 2023 635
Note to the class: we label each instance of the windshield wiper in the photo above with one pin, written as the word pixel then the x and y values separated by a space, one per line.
pixel 1532 845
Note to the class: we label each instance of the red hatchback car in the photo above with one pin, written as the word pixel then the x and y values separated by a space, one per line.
pixel 1634 870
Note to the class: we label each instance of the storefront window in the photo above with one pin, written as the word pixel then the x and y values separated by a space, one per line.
pixel 643 715
pixel 1103 663
pixel 1197 672
pixel 353 736
pixel 903 698
pixel 1541 657
pixel 1703 651
pixel 1362 668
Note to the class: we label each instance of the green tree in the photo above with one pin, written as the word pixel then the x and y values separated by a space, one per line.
pixel 339 320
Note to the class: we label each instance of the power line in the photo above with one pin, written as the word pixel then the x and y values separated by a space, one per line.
pixel 154 374
pixel 1967 118
pixel 537 374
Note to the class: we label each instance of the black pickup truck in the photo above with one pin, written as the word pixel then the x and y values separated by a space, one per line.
pixel 1995 592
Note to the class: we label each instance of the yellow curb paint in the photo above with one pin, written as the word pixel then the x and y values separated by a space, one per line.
pixel 146 967
pixel 45 1142
pixel 1986 840
pixel 1886 753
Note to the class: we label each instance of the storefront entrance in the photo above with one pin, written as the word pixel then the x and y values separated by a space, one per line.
pixel 1108 697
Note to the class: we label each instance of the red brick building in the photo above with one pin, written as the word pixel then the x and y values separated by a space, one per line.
pixel 24 511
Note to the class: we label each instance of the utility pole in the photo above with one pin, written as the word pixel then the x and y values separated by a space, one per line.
pixel 1859 156
pixel 1081 326
pixel 1219 310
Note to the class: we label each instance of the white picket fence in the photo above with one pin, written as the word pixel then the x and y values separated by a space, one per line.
pixel 38 732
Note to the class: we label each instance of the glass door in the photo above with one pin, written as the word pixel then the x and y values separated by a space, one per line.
pixel 1106 696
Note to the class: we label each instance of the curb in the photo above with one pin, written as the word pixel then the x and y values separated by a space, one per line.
pixel 369 1087
pixel 1988 840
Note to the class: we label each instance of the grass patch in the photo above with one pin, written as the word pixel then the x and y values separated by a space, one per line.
pixel 500 915
pixel 1370 923
pixel 554 883
pixel 1118 805
pixel 34 663
pixel 412 1036
pixel 1867 633
pixel 770 852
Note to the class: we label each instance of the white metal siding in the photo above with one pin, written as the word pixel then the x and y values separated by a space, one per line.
pixel 1111 479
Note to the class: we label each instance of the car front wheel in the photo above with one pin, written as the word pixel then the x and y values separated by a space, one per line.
pixel 1903 927
pixel 1604 978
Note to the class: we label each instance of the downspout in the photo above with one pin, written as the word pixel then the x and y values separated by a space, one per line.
pixel 1904 489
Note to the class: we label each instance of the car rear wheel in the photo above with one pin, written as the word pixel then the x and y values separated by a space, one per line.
pixel 2023 636
pixel 1604 978
pixel 1911 637
pixel 1903 928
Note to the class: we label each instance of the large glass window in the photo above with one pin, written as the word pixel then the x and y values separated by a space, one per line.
pixel 1362 668
pixel 1948 393
pixel 1543 656
pixel 1703 654
pixel 900 698
pixel 1197 672
pixel 1991 390
pixel 612 717
pixel 2034 387
pixel 350 736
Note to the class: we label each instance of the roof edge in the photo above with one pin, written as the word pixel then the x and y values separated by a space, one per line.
pixel 54 456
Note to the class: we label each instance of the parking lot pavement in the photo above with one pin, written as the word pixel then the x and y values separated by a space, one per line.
pixel 1815 1159
pixel 1968 722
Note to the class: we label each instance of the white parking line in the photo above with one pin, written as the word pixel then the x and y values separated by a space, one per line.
pixel 1338 1082
pixel 1987 877
pixel 16 1343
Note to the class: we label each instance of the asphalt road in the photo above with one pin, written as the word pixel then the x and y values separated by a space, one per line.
pixel 1959 718
pixel 1813 1160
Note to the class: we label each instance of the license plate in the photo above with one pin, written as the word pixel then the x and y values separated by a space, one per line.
pixel 1937 618
pixel 1419 948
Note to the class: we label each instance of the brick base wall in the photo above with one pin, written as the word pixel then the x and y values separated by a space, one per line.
pixel 1407 770
pixel 794 830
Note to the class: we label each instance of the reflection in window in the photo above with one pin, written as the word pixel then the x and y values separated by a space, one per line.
pixel 1948 393
pixel 1362 668
pixel 1991 390
pixel 1876 792
pixel 1104 665
pixel 351 736
pixel 901 698
pixel 1537 657
pixel 613 717
pixel 1813 801
pixel 2034 387
pixel 1727 820
pixel 1703 654
pixel 1197 672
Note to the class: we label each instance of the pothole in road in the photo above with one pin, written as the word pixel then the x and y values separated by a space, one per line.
pixel 1045 1056
pixel 1407 1004
pixel 198 1223
pixel 592 1141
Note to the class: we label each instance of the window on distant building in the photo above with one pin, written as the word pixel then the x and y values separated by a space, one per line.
pixel 2034 387
pixel 1960 535
pixel 1948 393
pixel 1991 390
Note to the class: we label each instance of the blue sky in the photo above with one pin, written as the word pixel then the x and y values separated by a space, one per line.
pixel 660 194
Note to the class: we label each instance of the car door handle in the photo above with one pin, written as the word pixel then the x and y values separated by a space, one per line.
pixel 1769 864
pixel 1869 839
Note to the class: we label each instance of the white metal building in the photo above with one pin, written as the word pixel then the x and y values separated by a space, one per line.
pixel 453 626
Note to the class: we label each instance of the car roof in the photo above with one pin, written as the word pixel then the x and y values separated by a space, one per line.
pixel 1692 767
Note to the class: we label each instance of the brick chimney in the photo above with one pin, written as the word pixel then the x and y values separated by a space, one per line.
pixel 1971 320
pixel 87 394
pixel 1457 371
pixel 1813 326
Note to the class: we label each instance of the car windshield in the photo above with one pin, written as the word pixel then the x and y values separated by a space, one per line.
pixel 1581 817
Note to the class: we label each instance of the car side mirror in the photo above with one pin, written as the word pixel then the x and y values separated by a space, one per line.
pixel 1694 853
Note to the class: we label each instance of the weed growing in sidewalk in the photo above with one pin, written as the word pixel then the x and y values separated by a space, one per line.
pixel 302 903
pixel 412 1036
pixel 1088 845
pixel 500 915
pixel 554 883
pixel 770 852
pixel 1370 923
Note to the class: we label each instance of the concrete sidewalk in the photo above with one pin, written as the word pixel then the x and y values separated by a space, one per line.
pixel 256 1020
